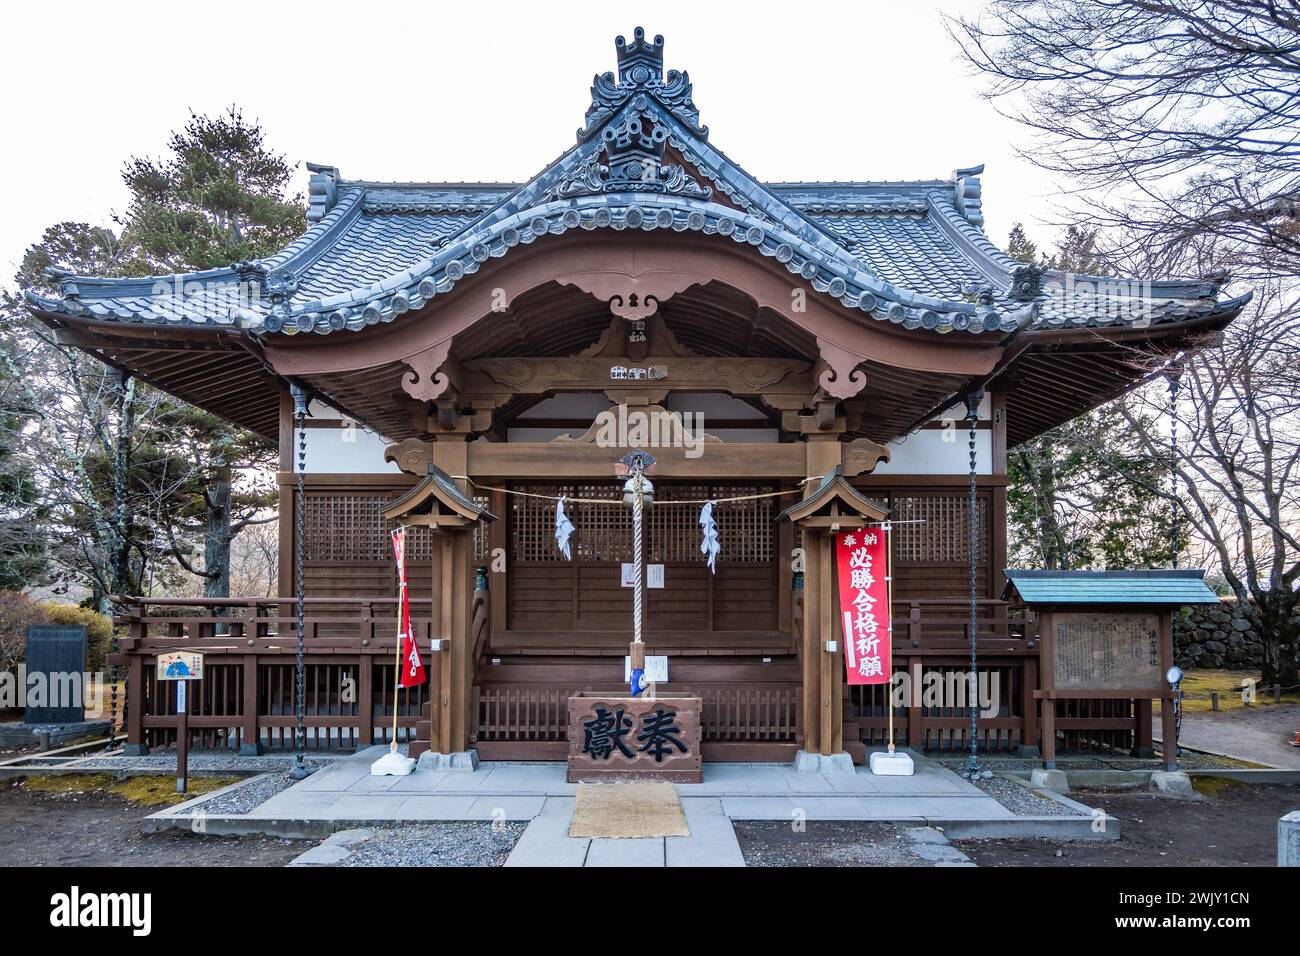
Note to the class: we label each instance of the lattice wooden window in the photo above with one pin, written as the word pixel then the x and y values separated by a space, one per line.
pixel 604 532
pixel 944 534
pixel 351 527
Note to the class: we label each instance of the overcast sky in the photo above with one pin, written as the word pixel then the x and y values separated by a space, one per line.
pixel 486 91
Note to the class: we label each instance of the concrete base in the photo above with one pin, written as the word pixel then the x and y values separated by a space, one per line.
pixel 1054 780
pixel 805 762
pixel 884 764
pixel 392 764
pixel 251 750
pixel 1288 839
pixel 1175 783
pixel 464 761
pixel 60 734
pixel 135 750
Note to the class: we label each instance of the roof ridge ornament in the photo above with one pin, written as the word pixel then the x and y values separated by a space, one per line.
pixel 633 152
pixel 640 70
pixel 322 190
pixel 968 194
pixel 640 60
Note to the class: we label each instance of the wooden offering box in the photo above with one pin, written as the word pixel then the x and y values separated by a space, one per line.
pixel 614 737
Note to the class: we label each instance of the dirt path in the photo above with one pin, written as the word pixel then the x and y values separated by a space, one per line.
pixel 1237 826
pixel 97 829
pixel 1257 734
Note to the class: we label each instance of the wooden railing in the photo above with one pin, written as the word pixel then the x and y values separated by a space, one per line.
pixel 247 697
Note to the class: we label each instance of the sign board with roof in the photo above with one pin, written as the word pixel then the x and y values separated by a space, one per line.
pixel 1107 634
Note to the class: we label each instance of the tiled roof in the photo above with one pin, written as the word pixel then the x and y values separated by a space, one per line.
pixel 1165 587
pixel 909 253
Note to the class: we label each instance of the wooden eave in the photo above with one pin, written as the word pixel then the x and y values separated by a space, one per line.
pixel 434 500
pixel 1063 374
pixel 835 504
pixel 219 370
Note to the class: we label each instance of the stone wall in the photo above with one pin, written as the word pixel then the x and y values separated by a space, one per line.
pixel 1210 635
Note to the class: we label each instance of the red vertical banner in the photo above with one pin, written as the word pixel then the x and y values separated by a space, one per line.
pixel 862 560
pixel 412 672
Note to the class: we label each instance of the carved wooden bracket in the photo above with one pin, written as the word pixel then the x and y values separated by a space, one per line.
pixel 633 297
pixel 862 455
pixel 425 382
pixel 841 378
pixel 413 456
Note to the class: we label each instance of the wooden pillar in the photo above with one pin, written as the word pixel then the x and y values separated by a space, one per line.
pixel 451 698
pixel 813 650
pixel 251 731
pixel 915 732
pixel 1143 745
pixel 366 699
pixel 1029 706
pixel 135 705
pixel 1168 735
pixel 831 704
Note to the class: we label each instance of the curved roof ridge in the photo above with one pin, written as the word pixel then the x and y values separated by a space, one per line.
pixel 313 242
pixel 971 239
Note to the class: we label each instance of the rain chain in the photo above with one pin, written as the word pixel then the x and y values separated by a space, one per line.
pixel 300 400
pixel 973 416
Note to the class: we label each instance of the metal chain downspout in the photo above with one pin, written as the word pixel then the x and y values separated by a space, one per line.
pixel 1174 516
pixel 973 769
pixel 300 401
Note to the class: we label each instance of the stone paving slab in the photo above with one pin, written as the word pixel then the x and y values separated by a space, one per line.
pixel 345 790
pixel 546 842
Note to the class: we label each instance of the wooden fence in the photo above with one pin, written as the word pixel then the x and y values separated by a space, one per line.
pixel 246 699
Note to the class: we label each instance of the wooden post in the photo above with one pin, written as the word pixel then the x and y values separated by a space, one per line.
pixel 251 744
pixel 812 645
pixel 452 683
pixel 1047 656
pixel 182 736
pixel 1142 742
pixel 1168 727
pixel 135 706
pixel 914 730
pixel 1029 706
pixel 829 704
pixel 365 700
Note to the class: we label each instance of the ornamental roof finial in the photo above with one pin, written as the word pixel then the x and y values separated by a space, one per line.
pixel 640 61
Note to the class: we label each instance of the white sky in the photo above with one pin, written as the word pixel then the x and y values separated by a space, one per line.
pixel 487 91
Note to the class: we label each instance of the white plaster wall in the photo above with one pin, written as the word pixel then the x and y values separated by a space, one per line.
pixel 927 453
pixel 350 449
pixel 944 451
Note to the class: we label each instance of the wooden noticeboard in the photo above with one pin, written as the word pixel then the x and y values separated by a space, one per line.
pixel 1094 649
pixel 1117 653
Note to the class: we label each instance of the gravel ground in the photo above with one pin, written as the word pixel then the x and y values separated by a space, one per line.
pixel 438 844
pixel 165 760
pixel 1022 801
pixel 827 843
pixel 248 797
pixel 1186 761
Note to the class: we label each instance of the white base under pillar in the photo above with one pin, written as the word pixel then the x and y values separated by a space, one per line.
pixel 805 762
pixel 884 764
pixel 463 761
pixel 392 764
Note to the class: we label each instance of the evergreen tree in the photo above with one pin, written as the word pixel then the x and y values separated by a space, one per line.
pixel 219 197
pixel 1083 495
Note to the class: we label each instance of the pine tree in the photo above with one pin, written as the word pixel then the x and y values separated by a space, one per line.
pixel 219 197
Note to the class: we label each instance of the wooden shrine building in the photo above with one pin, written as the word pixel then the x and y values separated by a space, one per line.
pixel 466 354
